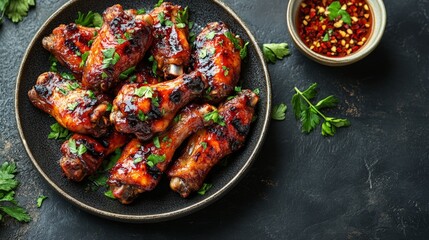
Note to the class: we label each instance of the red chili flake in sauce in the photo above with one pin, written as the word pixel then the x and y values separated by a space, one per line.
pixel 334 38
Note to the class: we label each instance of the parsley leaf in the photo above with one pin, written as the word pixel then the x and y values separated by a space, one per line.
pixel 215 117
pixel 126 73
pixel 15 10
pixel 54 64
pixel 7 185
pixel 210 35
pixel 144 91
pixel 310 115
pixel 84 57
pixel 154 159
pixel 59 132
pixel 275 51
pixel 279 112
pixel 205 188
pixel 335 10
pixel 40 200
pixel 182 18
pixel 243 51
pixel 159 3
pixel 141 11
pixel 156 142
pixel 204 145
pixel 109 194
pixel 91 19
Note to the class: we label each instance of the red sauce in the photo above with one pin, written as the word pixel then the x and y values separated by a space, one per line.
pixel 334 38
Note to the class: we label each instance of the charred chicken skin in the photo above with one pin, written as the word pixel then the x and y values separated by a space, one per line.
pixel 140 166
pixel 209 145
pixel 121 43
pixel 78 161
pixel 170 49
pixel 67 43
pixel 144 109
pixel 218 58
pixel 78 110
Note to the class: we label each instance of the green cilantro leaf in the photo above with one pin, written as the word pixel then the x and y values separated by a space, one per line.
pixel 243 51
pixel 72 106
pixel 310 115
pixel 335 10
pixel 144 91
pixel 91 19
pixel 15 10
pixel 141 116
pixel 7 175
pixel 210 35
pixel 109 194
pixel 215 117
pixel 59 132
pixel 205 188
pixel 154 159
pixel 233 39
pixel 275 51
pixel 72 146
pixel 84 57
pixel 67 76
pixel 204 145
pixel 161 18
pixel 279 112
pixel 125 74
pixel 141 11
pixel 225 71
pixel 40 200
pixel 54 64
pixel 159 3
pixel 16 212
pixel 182 18
pixel 156 142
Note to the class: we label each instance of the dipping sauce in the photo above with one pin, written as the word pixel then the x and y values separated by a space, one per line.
pixel 334 28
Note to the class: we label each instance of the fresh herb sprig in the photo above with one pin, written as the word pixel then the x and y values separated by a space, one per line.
pixel 310 114
pixel 279 112
pixel 91 19
pixel 15 10
pixel 8 184
pixel 335 10
pixel 59 132
pixel 275 51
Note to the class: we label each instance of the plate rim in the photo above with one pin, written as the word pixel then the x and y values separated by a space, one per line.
pixel 170 214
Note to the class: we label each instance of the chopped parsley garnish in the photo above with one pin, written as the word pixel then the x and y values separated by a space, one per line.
pixel 237 89
pixel 91 19
pixel 204 145
pixel 76 150
pixel 234 40
pixel 161 18
pixel 177 118
pixel 156 143
pixel 125 74
pixel 154 64
pixel 40 200
pixel 110 57
pixel 144 91
pixel 8 184
pixel 279 112
pixel 104 75
pixel 91 94
pixel 205 188
pixel 72 106
pixel 225 71
pixel 202 53
pixel 256 91
pixel 109 107
pixel 141 11
pixel 328 34
pixel 159 3
pixel 59 132
pixel 109 194
pixel 310 114
pixel 67 76
pixel 166 139
pixel 142 117
pixel 215 117
pixel 54 64
pixel 169 23
pixel 154 159
pixel 210 35
pixel 137 160
pixel 155 101
pixel 182 18
pixel 84 57
pixel 275 51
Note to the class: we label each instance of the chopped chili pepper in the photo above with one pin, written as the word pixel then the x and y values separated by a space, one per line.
pixel 334 28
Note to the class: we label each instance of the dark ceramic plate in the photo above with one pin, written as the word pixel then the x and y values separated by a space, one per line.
pixel 162 203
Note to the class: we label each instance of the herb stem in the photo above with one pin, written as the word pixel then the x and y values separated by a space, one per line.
pixel 310 104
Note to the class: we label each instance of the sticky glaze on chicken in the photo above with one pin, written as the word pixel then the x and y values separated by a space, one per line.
pixel 209 145
pixel 121 43
pixel 140 166
pixel 170 49
pixel 77 163
pixel 80 111
pixel 144 109
pixel 217 57
pixel 67 43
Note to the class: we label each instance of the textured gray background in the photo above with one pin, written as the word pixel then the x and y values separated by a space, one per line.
pixel 368 182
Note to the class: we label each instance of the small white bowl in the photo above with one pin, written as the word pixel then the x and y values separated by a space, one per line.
pixel 378 25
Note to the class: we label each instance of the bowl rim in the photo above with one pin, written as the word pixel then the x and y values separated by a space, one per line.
pixel 166 215
pixel 365 50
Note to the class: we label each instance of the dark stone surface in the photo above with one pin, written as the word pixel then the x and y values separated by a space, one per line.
pixel 368 182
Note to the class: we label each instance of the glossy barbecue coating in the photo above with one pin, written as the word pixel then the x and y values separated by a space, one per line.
pixel 217 57
pixel 144 109
pixel 121 43
pixel 76 166
pixel 170 49
pixel 67 43
pixel 80 111
pixel 211 144
pixel 135 172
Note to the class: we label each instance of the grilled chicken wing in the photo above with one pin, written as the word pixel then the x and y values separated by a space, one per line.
pixel 170 49
pixel 79 161
pixel 140 166
pixel 209 145
pixel 67 43
pixel 76 109
pixel 148 109
pixel 218 58
pixel 120 44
